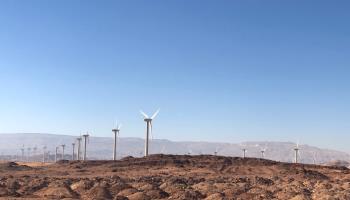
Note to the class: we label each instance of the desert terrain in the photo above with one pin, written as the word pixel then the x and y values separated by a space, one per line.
pixel 174 177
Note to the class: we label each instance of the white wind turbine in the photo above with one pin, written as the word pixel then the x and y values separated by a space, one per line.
pixel 148 121
pixel 79 148
pixel 22 152
pixel 73 150
pixel 262 151
pixel 85 136
pixel 63 146
pixel 244 152
pixel 116 131
pixel 297 153
pixel 56 152
pixel 44 153
pixel 314 157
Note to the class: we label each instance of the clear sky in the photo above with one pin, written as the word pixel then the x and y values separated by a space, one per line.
pixel 228 71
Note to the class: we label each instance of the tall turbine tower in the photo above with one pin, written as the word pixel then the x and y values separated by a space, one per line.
pixel 73 149
pixel 148 121
pixel 116 131
pixel 63 146
pixel 56 154
pixel 79 148
pixel 296 149
pixel 86 136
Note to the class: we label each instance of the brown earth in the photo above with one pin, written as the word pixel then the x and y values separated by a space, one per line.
pixel 174 177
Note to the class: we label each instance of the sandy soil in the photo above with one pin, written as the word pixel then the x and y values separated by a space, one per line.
pixel 174 177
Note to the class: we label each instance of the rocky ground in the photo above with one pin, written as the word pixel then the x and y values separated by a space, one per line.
pixel 174 177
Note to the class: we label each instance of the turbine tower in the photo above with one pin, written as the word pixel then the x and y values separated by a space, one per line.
pixel 148 121
pixel 296 149
pixel 244 152
pixel 262 153
pixel 73 149
pixel 79 147
pixel 28 149
pixel 56 154
pixel 22 151
pixel 314 157
pixel 34 152
pixel 116 131
pixel 86 136
pixel 44 149
pixel 63 146
pixel 216 151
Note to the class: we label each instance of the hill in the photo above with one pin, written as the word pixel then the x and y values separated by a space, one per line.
pixel 176 177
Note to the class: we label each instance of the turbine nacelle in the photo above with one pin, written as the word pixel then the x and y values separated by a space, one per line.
pixel 147 120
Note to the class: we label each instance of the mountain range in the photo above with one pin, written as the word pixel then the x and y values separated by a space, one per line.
pixel 101 148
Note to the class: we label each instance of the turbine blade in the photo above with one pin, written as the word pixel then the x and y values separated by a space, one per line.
pixel 119 126
pixel 144 114
pixel 155 114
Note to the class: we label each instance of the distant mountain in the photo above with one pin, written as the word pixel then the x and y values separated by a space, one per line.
pixel 101 148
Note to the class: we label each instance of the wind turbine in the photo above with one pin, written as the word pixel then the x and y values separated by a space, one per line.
pixel 28 149
pixel 263 150
pixel 63 146
pixel 73 149
pixel 148 121
pixel 296 149
pixel 85 136
pixel 79 147
pixel 314 157
pixel 44 149
pixel 263 153
pixel 34 152
pixel 116 131
pixel 244 152
pixel 22 151
pixel 56 154
pixel 216 151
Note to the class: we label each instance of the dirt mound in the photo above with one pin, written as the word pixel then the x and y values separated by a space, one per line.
pixel 175 177
pixel 12 166
pixel 55 190
pixel 338 163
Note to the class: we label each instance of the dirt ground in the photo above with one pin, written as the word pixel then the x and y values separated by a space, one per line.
pixel 174 177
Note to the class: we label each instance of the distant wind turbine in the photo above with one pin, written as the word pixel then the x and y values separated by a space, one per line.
pixel 44 152
pixel 73 150
pixel 263 150
pixel 314 157
pixel 148 121
pixel 22 151
pixel 63 146
pixel 28 149
pixel 297 153
pixel 79 148
pixel 85 136
pixel 244 152
pixel 56 152
pixel 116 131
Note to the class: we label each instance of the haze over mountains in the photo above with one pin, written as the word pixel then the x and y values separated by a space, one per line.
pixel 101 147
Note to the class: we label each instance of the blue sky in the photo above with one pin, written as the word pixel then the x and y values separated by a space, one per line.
pixel 227 71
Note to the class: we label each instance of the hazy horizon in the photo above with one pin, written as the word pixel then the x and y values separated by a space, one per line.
pixel 230 71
